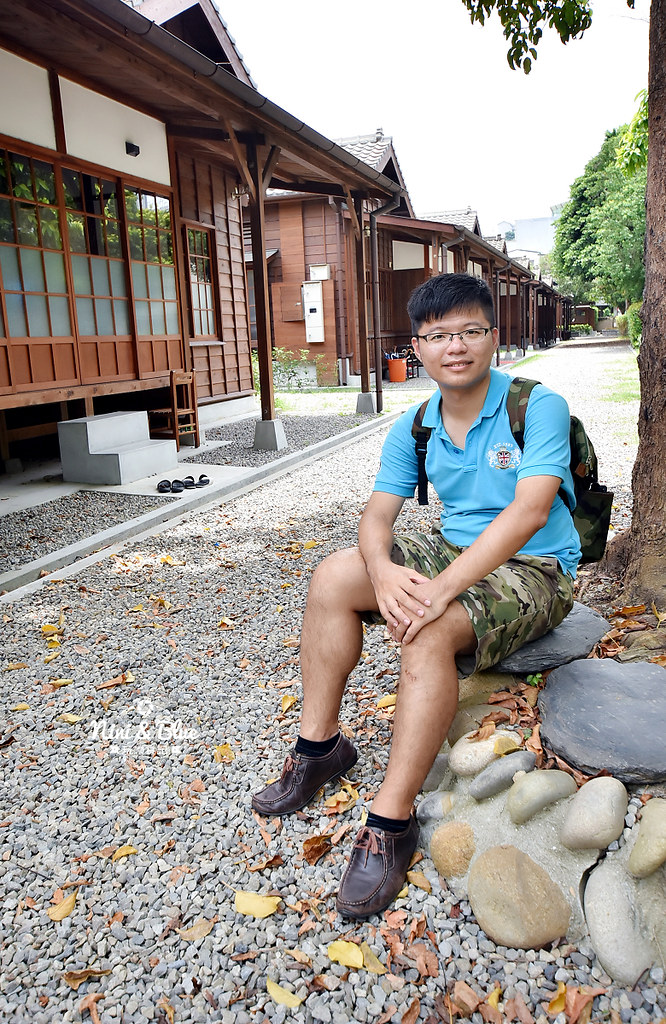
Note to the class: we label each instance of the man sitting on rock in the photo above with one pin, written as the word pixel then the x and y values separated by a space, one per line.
pixel 500 573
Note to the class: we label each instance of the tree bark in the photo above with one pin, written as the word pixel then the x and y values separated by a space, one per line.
pixel 645 546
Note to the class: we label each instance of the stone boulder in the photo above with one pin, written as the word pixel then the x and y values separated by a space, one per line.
pixel 598 714
pixel 515 901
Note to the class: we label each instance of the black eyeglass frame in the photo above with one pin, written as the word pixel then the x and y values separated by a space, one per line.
pixel 450 335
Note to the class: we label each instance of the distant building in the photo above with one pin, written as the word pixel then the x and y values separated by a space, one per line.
pixel 531 238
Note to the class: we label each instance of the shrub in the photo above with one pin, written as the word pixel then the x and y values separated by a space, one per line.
pixel 578 329
pixel 286 366
pixel 635 324
pixel 621 322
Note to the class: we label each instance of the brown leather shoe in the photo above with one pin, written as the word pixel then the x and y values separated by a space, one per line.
pixel 376 871
pixel 301 778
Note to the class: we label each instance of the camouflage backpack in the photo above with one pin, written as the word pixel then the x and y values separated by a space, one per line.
pixel 592 512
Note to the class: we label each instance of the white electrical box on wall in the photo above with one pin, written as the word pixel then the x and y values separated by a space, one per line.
pixel 313 312
pixel 320 271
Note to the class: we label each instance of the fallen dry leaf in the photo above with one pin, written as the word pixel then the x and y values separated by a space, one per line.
pixel 466 998
pixel 300 956
pixel 343 800
pixel 14 665
pixel 198 930
pixel 164 1004
pixel 122 680
pixel 387 1014
pixel 288 701
pixel 89 1004
pixel 223 754
pixel 315 847
pixel 388 701
pixel 347 953
pixel 268 862
pixel 20 707
pixel 425 960
pixel 252 904
pixel 371 962
pixel 412 1014
pixel 69 718
pixel 282 996
pixel 64 908
pixel 556 1005
pixel 76 978
pixel 124 851
pixel 506 745
pixel 418 879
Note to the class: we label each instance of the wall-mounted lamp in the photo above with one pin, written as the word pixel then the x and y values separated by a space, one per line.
pixel 366 230
pixel 132 149
pixel 240 190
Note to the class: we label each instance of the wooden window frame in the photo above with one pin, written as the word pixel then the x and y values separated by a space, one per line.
pixel 208 231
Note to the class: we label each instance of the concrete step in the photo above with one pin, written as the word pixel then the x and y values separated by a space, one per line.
pixel 114 448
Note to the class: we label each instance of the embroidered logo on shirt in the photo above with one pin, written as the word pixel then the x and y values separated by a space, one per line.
pixel 504 456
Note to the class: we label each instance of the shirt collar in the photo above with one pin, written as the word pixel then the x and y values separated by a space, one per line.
pixel 497 389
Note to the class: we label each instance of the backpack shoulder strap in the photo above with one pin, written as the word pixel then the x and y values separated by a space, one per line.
pixel 517 398
pixel 421 437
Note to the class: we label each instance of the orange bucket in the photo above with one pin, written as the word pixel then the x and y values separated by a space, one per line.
pixel 397 369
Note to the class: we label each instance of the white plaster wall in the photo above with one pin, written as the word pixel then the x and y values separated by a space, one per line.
pixel 97 128
pixel 407 256
pixel 25 109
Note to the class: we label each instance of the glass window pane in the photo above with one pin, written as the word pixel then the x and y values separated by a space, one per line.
pixel 96 237
pixel 11 278
pixel 86 317
pixel 81 274
pixel 113 246
pixel 55 272
pixel 142 318
pixel 148 209
pixel 104 316
pixel 60 324
pixel 26 224
pixel 154 282
pixel 100 276
pixel 44 182
pixel 21 177
pixel 209 296
pixel 150 240
pixel 163 212
pixel 157 314
pixel 51 237
pixel 136 243
pixel 6 222
pixel 169 282
pixel 16 316
pixel 2 326
pixel 132 204
pixel 76 232
pixel 122 317
pixel 139 281
pixel 172 317
pixel 33 272
pixel 110 199
pixel 118 285
pixel 38 319
pixel 71 181
pixel 190 239
pixel 4 177
pixel 197 323
pixel 166 247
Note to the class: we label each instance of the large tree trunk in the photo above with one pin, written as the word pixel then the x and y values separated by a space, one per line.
pixel 645 546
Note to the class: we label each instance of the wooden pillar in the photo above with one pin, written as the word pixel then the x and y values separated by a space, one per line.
pixel 508 310
pixel 359 247
pixel 261 291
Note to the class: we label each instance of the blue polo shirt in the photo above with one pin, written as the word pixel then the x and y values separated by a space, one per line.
pixel 476 483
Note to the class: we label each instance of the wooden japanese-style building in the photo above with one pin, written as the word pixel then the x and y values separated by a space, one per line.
pixel 310 250
pixel 131 140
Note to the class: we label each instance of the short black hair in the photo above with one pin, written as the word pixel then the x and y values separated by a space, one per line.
pixel 448 293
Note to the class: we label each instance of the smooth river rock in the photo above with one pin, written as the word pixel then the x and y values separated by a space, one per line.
pixel 595 816
pixel 532 792
pixel 649 851
pixel 439 775
pixel 515 901
pixel 499 774
pixel 599 714
pixel 618 931
pixel 469 757
pixel 574 638
pixel 452 847
pixel 435 806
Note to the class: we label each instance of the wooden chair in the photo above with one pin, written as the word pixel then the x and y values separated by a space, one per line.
pixel 182 417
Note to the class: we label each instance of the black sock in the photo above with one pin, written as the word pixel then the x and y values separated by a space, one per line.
pixel 392 825
pixel 311 748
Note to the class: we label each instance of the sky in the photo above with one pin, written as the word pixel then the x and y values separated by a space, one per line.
pixel 467 130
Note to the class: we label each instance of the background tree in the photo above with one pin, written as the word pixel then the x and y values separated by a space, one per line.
pixel 576 234
pixel 619 229
pixel 642 550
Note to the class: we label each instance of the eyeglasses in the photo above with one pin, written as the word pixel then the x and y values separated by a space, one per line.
pixel 474 334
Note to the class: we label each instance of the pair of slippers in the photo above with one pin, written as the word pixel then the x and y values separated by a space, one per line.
pixel 186 484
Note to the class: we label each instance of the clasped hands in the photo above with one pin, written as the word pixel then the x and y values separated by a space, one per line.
pixel 408 600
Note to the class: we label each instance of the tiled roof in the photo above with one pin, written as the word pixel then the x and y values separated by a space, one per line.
pixel 466 218
pixel 371 149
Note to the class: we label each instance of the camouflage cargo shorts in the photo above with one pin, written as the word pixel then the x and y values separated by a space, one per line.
pixel 518 602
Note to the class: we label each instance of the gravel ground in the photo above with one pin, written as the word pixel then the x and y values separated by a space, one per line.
pixel 195 634
pixel 34 532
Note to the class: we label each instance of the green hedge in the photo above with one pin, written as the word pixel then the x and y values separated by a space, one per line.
pixel 579 329
pixel 621 322
pixel 635 324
